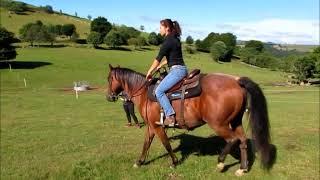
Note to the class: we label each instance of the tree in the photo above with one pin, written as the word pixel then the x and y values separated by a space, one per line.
pixel 257 45
pixel 95 38
pixel 228 38
pixel 44 36
pixel 58 29
pixel 7 51
pixel 315 55
pixel 29 32
pixel 127 32
pixel 68 29
pixel 218 51
pixel 189 40
pixel 101 25
pixel 37 32
pixel 141 41
pixel 114 39
pixel 153 39
pixel 47 9
pixel 89 17
pixel 60 12
pixel 75 14
pixel 142 28
pixel 304 68
pixel 160 38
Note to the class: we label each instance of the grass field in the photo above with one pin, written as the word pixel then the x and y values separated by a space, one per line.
pixel 46 133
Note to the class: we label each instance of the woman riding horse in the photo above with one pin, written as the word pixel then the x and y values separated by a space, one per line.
pixel 221 105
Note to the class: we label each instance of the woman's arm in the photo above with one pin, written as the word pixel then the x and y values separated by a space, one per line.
pixel 154 65
pixel 164 62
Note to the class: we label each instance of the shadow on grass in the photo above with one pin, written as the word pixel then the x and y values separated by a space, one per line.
pixel 115 48
pixel 143 49
pixel 23 64
pixel 207 146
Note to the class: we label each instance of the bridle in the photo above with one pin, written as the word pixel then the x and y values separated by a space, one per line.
pixel 145 84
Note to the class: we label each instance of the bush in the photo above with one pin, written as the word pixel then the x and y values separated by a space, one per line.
pixel 114 39
pixel 17 7
pixel 257 45
pixel 218 51
pixel 7 51
pixel 304 68
pixel 95 38
pixel 133 42
pixel 74 37
pixel 190 49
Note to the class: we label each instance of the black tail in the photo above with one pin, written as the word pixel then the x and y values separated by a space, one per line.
pixel 259 121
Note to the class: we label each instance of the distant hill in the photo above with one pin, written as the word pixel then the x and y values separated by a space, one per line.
pixel 283 47
pixel 13 22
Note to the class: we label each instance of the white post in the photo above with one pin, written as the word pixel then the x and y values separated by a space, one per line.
pixel 77 96
pixel 10 67
pixel 25 82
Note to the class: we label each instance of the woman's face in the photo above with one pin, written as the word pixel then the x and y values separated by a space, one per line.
pixel 163 30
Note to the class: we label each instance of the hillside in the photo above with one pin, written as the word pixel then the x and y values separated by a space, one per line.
pixel 13 22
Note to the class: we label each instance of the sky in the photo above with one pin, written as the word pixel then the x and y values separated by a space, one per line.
pixel 279 21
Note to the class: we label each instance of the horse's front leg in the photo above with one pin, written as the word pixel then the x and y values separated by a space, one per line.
pixel 165 141
pixel 149 135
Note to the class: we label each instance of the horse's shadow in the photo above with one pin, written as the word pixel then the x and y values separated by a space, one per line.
pixel 207 146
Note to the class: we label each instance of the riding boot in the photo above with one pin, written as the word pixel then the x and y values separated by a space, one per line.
pixel 169 121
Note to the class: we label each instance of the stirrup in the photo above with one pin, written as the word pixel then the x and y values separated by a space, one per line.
pixel 166 125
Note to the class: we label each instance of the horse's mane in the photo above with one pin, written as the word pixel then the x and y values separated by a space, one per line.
pixel 129 77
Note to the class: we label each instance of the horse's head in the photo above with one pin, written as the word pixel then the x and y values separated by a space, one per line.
pixel 114 85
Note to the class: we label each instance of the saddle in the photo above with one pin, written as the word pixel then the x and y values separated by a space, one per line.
pixel 190 85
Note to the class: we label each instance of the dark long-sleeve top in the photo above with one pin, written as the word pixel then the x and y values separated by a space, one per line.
pixel 171 49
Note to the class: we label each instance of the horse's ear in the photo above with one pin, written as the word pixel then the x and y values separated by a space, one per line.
pixel 110 67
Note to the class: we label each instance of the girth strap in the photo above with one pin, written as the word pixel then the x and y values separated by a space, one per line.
pixel 181 118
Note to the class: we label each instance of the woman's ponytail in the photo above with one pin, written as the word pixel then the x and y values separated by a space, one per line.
pixel 176 28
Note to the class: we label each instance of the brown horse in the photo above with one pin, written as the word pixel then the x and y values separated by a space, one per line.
pixel 221 105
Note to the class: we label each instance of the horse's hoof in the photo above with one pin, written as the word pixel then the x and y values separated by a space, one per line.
pixel 240 172
pixel 220 166
pixel 136 165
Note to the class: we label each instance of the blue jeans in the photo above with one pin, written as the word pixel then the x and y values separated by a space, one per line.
pixel 176 73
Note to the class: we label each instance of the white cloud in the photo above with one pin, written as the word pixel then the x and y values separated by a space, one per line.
pixel 268 30
pixel 277 30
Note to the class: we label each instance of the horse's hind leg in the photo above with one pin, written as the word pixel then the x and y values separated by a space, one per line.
pixel 229 135
pixel 149 135
pixel 226 150
pixel 165 141
pixel 243 150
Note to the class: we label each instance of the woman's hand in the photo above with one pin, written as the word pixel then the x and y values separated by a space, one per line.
pixel 148 76
pixel 153 67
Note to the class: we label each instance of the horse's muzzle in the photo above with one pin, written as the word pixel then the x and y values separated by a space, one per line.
pixel 111 98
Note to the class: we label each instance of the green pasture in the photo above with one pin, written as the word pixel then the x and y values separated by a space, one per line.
pixel 13 22
pixel 46 133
